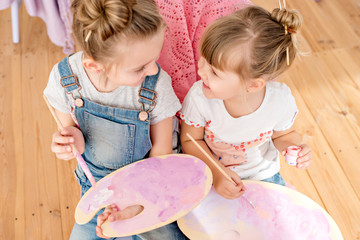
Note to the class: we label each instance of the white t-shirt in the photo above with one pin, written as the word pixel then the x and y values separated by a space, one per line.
pixel 243 144
pixel 167 104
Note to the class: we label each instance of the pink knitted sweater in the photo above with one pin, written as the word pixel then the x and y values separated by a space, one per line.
pixel 186 21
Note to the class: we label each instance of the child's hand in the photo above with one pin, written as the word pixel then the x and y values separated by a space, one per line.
pixel 113 213
pixel 305 157
pixel 62 139
pixel 228 189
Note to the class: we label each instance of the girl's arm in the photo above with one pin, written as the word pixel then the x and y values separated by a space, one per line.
pixel 222 186
pixel 61 140
pixel 161 137
pixel 284 139
pixel 65 119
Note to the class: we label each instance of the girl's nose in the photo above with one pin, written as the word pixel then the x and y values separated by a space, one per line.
pixel 201 68
pixel 152 69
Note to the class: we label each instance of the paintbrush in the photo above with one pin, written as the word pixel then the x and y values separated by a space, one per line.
pixel 78 156
pixel 217 166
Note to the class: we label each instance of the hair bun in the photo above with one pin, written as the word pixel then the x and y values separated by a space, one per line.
pixel 106 17
pixel 290 18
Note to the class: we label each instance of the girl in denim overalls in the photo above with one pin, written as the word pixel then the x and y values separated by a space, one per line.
pixel 114 99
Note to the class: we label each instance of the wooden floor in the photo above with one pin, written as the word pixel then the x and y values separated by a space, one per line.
pixel 38 193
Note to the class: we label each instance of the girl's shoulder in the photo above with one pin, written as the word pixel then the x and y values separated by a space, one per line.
pixel 167 103
pixel 278 90
pixel 163 80
pixel 55 92
pixel 74 61
pixel 196 91
pixel 76 64
pixel 164 84
pixel 196 97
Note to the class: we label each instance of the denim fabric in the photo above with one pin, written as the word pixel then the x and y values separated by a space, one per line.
pixel 114 138
pixel 88 232
pixel 168 232
pixel 277 178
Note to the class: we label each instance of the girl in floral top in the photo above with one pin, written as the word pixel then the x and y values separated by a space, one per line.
pixel 236 113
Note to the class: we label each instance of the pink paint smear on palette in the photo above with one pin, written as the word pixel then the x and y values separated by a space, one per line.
pixel 279 214
pixel 166 186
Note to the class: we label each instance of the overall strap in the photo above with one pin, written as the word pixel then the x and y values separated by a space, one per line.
pixel 147 94
pixel 68 80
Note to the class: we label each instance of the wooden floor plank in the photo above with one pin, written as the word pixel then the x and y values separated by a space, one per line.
pixel 326 173
pixel 329 113
pixel 42 207
pixel 12 195
pixel 12 219
pixel 17 117
pixel 324 26
pixel 69 190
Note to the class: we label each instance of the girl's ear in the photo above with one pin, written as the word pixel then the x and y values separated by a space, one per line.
pixel 92 66
pixel 255 85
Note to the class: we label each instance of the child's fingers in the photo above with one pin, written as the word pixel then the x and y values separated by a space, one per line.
pixel 99 233
pixel 101 218
pixel 59 148
pixel 235 179
pixel 60 139
pixel 128 212
pixel 65 131
pixel 237 195
pixel 232 195
pixel 305 149
pixel 305 158
pixel 223 191
pixel 62 151
pixel 304 162
pixel 303 165
pixel 65 156
pixel 234 191
pixel 109 210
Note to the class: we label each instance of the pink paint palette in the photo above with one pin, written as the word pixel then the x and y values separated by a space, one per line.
pixel 168 187
pixel 280 213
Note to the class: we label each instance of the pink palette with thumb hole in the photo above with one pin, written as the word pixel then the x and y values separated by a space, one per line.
pixel 168 187
pixel 278 213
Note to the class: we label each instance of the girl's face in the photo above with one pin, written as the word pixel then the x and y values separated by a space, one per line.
pixel 138 60
pixel 219 84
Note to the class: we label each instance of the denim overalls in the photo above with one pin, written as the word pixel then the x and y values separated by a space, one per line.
pixel 114 138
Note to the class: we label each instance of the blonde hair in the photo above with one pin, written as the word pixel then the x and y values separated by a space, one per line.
pixel 98 25
pixel 252 42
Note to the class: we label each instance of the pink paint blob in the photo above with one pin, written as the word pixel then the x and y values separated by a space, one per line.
pixel 165 187
pixel 276 216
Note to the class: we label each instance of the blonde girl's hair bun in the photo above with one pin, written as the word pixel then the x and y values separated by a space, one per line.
pixel 103 18
pixel 290 18
pixel 100 25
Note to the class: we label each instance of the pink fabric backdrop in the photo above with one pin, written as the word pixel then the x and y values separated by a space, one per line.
pixel 186 20
pixel 56 15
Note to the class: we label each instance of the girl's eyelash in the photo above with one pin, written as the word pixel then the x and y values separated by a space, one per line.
pixel 140 70
pixel 213 72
